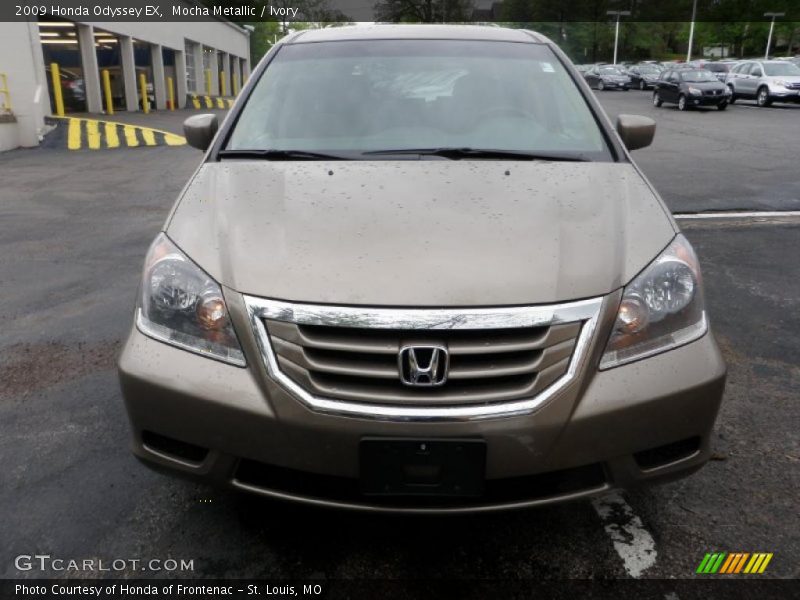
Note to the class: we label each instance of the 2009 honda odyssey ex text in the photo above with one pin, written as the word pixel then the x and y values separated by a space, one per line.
pixel 418 270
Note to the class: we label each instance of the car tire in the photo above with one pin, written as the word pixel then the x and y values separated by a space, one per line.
pixel 732 99
pixel 762 97
pixel 722 106
pixel 625 89
pixel 657 101
pixel 682 102
pixel 642 85
pixel 600 86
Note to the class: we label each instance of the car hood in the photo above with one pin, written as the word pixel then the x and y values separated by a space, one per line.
pixel 420 233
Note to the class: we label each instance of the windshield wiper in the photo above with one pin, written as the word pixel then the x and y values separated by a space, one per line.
pixel 458 153
pixel 279 155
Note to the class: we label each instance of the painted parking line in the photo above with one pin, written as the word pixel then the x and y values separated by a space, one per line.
pixel 93 134
pixel 739 214
pixel 631 540
pixel 219 102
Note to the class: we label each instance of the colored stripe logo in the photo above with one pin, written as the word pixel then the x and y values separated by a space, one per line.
pixel 734 563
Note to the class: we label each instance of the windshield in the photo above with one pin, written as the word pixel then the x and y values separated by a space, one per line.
pixel 786 68
pixel 611 71
pixel 367 96
pixel 699 76
pixel 648 69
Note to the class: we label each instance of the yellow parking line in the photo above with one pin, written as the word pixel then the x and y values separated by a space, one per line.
pixel 130 135
pixel 74 134
pixel 764 564
pixel 95 134
pixel 92 134
pixel 149 137
pixel 174 140
pixel 112 139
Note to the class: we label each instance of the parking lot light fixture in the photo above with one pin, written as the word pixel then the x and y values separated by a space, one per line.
pixel 618 14
pixel 773 15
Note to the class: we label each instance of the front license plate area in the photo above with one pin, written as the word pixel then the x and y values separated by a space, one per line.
pixel 417 467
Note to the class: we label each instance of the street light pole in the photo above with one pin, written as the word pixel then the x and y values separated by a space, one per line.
pixel 691 31
pixel 774 15
pixel 618 14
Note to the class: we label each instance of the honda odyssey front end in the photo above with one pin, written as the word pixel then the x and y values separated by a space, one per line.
pixel 418 271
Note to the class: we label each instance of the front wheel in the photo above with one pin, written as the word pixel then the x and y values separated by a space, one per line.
pixel 682 102
pixel 722 106
pixel 642 85
pixel 600 86
pixel 657 101
pixel 762 98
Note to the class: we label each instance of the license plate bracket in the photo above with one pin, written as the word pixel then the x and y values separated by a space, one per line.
pixel 422 467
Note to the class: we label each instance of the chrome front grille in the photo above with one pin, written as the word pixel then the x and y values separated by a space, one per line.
pixel 345 360
pixel 361 365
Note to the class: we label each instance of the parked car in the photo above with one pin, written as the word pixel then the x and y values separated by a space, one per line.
pixel 766 81
pixel 689 88
pixel 73 90
pixel 721 68
pixel 330 314
pixel 607 77
pixel 644 76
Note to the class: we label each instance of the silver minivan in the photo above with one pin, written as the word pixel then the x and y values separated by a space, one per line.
pixel 766 81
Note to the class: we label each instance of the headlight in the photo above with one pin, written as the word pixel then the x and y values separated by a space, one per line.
pixel 695 92
pixel 728 91
pixel 181 305
pixel 779 82
pixel 661 309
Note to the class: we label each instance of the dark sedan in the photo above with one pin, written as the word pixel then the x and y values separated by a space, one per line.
pixel 689 88
pixel 644 76
pixel 607 77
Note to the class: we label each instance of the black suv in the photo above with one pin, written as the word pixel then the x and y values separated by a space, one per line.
pixel 689 88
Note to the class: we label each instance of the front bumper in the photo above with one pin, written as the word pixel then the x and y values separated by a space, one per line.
pixel 784 95
pixel 708 100
pixel 616 85
pixel 647 421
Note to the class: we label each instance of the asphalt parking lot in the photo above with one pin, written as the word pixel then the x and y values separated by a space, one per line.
pixel 76 226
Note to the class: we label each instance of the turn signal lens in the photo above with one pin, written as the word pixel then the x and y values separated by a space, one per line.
pixel 211 312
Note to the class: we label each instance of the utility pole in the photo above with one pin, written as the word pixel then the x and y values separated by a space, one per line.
pixel 691 31
pixel 774 15
pixel 618 14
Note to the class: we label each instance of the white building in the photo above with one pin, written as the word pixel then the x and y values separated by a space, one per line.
pixel 208 57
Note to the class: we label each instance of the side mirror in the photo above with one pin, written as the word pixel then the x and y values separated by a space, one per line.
pixel 200 130
pixel 635 131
